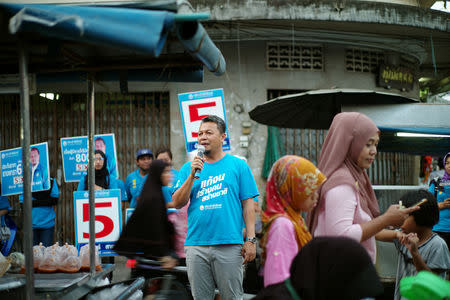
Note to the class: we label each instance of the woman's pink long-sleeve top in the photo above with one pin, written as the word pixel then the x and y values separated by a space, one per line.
pixel 281 248
pixel 342 216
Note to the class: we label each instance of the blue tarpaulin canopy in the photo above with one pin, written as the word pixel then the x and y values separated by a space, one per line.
pixel 139 30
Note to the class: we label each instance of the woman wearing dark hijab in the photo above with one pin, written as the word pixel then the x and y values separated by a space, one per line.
pixel 328 268
pixel 102 179
pixel 148 231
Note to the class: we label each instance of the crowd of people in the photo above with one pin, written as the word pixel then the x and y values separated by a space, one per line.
pixel 203 217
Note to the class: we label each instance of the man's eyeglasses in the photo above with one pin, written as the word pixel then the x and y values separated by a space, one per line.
pixel 98 158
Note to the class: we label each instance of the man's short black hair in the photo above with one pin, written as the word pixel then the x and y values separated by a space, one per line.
pixel 100 139
pixel 163 150
pixel 35 149
pixel 215 119
pixel 428 214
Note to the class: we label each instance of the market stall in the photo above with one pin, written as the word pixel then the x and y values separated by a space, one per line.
pixel 137 28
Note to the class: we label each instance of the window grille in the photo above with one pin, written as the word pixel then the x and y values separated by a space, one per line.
pixel 363 60
pixel 286 56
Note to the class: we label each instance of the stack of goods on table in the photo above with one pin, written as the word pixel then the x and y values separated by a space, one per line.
pixel 63 259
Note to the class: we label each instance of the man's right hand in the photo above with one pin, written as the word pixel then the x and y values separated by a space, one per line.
pixel 196 164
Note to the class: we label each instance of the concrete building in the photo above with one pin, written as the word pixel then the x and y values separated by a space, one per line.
pixel 303 45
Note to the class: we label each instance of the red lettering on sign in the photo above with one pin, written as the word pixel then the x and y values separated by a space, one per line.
pixel 194 115
pixel 108 224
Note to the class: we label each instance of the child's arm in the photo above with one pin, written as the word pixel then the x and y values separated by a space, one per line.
pixel 411 242
pixel 387 235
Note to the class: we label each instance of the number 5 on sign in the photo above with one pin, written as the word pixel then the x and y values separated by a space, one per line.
pixel 108 221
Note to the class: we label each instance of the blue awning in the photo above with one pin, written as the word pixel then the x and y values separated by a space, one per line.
pixel 139 30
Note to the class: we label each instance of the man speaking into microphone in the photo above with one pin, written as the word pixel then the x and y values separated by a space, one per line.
pixel 221 201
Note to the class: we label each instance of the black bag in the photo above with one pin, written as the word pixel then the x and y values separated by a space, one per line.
pixel 437 185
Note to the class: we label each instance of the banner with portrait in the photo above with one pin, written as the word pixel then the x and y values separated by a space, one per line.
pixel 11 169
pixel 74 151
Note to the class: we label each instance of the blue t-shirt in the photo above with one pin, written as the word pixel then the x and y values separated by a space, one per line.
pixel 215 210
pixel 4 203
pixel 133 185
pixel 40 179
pixel 43 217
pixel 111 166
pixel 444 214
pixel 114 184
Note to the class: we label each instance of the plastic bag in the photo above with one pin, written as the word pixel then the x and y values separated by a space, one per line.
pixel 66 250
pixel 49 262
pixel 17 261
pixel 85 259
pixel 70 264
pixel 38 255
pixel 4 265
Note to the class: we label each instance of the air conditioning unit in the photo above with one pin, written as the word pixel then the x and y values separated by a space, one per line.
pixel 10 83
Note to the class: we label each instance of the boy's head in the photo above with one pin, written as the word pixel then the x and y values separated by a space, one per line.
pixel 427 215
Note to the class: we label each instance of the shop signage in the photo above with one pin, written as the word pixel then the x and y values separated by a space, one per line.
pixel 396 77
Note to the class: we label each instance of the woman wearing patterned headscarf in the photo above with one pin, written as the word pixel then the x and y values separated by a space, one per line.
pixel 347 203
pixel 291 189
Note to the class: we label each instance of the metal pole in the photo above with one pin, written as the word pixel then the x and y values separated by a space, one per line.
pixel 91 171
pixel 25 143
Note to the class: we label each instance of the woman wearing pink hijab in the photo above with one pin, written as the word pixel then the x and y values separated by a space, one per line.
pixel 347 203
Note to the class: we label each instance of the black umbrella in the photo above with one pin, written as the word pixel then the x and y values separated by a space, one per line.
pixel 316 109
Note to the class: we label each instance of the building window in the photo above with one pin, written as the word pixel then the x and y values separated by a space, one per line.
pixel 363 60
pixel 286 56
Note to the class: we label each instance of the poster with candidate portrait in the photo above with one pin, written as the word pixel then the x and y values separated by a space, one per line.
pixel 194 107
pixel 12 169
pixel 74 151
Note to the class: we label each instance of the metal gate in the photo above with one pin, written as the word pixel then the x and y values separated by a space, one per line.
pixel 388 168
pixel 138 120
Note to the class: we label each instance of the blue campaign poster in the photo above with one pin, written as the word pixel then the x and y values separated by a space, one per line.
pixel 197 105
pixel 11 169
pixel 74 152
pixel 108 219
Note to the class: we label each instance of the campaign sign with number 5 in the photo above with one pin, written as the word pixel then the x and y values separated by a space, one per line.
pixel 108 219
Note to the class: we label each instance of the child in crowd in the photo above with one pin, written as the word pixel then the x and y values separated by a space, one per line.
pixel 291 189
pixel 419 247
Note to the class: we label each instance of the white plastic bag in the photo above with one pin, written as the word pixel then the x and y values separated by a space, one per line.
pixel 85 258
pixel 4 265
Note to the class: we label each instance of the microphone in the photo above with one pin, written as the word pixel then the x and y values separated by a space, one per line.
pixel 200 152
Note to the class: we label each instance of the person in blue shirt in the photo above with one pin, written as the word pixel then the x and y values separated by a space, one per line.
pixel 135 180
pixel 103 181
pixel 4 204
pixel 6 237
pixel 219 200
pixel 39 174
pixel 43 214
pixel 100 144
pixel 440 188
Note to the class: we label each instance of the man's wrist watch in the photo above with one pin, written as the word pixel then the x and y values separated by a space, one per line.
pixel 251 239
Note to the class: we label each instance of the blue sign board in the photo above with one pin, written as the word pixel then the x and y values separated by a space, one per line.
pixel 74 152
pixel 11 169
pixel 108 219
pixel 194 107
